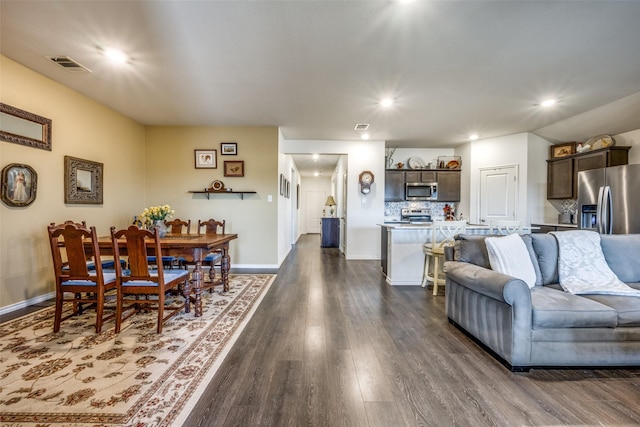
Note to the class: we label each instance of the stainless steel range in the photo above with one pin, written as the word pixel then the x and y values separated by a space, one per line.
pixel 415 216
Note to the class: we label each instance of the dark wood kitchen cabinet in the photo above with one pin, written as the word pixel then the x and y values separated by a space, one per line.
pixel 449 186
pixel 394 186
pixel 562 173
pixel 416 176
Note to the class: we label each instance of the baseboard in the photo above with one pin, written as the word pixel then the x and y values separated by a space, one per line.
pixel 27 303
pixel 254 266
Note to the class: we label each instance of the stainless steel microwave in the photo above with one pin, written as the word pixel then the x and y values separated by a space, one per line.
pixel 421 191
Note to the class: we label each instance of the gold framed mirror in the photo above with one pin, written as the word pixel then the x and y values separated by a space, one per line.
pixel 25 128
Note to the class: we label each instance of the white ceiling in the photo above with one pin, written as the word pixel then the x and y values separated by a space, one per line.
pixel 316 68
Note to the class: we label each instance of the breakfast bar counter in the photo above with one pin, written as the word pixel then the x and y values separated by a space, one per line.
pixel 402 257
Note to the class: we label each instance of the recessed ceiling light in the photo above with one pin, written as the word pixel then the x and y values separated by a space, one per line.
pixel 387 102
pixel 365 136
pixel 548 102
pixel 473 137
pixel 316 174
pixel 116 55
pixel 315 157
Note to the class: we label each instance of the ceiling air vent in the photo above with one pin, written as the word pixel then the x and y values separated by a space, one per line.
pixel 362 126
pixel 69 64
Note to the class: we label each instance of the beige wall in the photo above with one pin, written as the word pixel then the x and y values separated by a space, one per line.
pixel 170 174
pixel 81 128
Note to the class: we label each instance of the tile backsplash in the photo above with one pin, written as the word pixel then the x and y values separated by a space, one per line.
pixel 392 209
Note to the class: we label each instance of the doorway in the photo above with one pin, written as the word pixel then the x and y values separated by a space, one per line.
pixel 498 193
pixel 314 206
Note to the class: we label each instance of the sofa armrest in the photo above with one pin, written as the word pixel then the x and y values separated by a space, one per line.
pixel 491 283
pixel 512 297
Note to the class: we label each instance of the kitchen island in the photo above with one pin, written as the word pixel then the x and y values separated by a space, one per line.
pixel 402 257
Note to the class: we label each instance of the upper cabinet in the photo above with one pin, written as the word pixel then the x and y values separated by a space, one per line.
pixel 562 173
pixel 448 183
pixel 394 186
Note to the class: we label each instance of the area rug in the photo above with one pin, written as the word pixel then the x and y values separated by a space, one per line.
pixel 135 378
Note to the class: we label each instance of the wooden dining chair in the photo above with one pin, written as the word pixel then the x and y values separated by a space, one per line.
pixel 178 226
pixel 140 280
pixel 211 226
pixel 75 282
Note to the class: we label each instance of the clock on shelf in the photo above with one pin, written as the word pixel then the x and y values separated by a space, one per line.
pixel 366 179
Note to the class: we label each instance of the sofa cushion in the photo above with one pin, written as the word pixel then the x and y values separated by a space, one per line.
pixel 546 250
pixel 621 252
pixel 558 309
pixel 472 249
pixel 627 308
pixel 509 255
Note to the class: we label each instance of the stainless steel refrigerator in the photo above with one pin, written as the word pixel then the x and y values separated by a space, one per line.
pixel 609 200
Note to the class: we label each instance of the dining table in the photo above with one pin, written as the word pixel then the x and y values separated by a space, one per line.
pixel 193 248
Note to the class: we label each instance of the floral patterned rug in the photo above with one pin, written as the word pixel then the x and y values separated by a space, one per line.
pixel 136 378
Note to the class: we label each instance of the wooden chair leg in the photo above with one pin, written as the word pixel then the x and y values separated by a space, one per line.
pixel 58 316
pixel 160 310
pixel 99 311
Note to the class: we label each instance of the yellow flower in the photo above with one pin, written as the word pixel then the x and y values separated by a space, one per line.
pixel 155 213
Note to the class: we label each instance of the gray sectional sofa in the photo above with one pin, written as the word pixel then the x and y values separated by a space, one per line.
pixel 545 326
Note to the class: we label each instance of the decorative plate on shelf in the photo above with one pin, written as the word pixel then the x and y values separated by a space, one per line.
pixel 416 163
pixel 217 185
pixel 600 141
pixel 453 164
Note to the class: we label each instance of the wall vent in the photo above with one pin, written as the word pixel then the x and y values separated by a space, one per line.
pixel 69 64
pixel 362 126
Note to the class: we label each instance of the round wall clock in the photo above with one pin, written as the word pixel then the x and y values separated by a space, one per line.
pixel 366 179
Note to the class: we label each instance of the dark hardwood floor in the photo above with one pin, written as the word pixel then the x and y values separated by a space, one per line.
pixel 333 345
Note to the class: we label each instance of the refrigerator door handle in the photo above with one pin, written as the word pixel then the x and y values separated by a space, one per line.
pixel 607 217
pixel 599 217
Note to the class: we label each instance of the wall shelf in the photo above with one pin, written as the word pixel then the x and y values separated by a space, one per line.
pixel 241 193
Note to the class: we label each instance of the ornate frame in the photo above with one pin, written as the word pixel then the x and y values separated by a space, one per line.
pixel 8 180
pixel 78 173
pixel 43 143
pixel 234 168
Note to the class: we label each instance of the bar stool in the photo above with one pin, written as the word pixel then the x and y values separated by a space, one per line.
pixel 446 231
pixel 505 227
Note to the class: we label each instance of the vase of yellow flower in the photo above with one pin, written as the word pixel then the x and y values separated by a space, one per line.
pixel 154 217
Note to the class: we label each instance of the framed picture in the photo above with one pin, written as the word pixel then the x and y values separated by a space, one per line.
pixel 281 185
pixel 19 185
pixel 206 159
pixel 562 150
pixel 82 181
pixel 298 196
pixel 228 148
pixel 234 168
pixel 287 190
pixel 24 128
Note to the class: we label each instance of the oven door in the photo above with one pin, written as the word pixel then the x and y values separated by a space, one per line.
pixel 421 191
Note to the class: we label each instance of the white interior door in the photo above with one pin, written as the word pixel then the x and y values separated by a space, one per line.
pixel 498 193
pixel 315 204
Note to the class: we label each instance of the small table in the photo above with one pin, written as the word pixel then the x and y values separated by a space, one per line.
pixel 192 247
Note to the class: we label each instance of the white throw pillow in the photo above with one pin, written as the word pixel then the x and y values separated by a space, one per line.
pixel 509 255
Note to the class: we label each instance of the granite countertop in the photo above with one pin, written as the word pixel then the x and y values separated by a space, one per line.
pixel 555 224
pixel 406 224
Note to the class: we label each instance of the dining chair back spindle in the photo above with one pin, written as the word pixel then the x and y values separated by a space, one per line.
pixel 140 280
pixel 75 281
